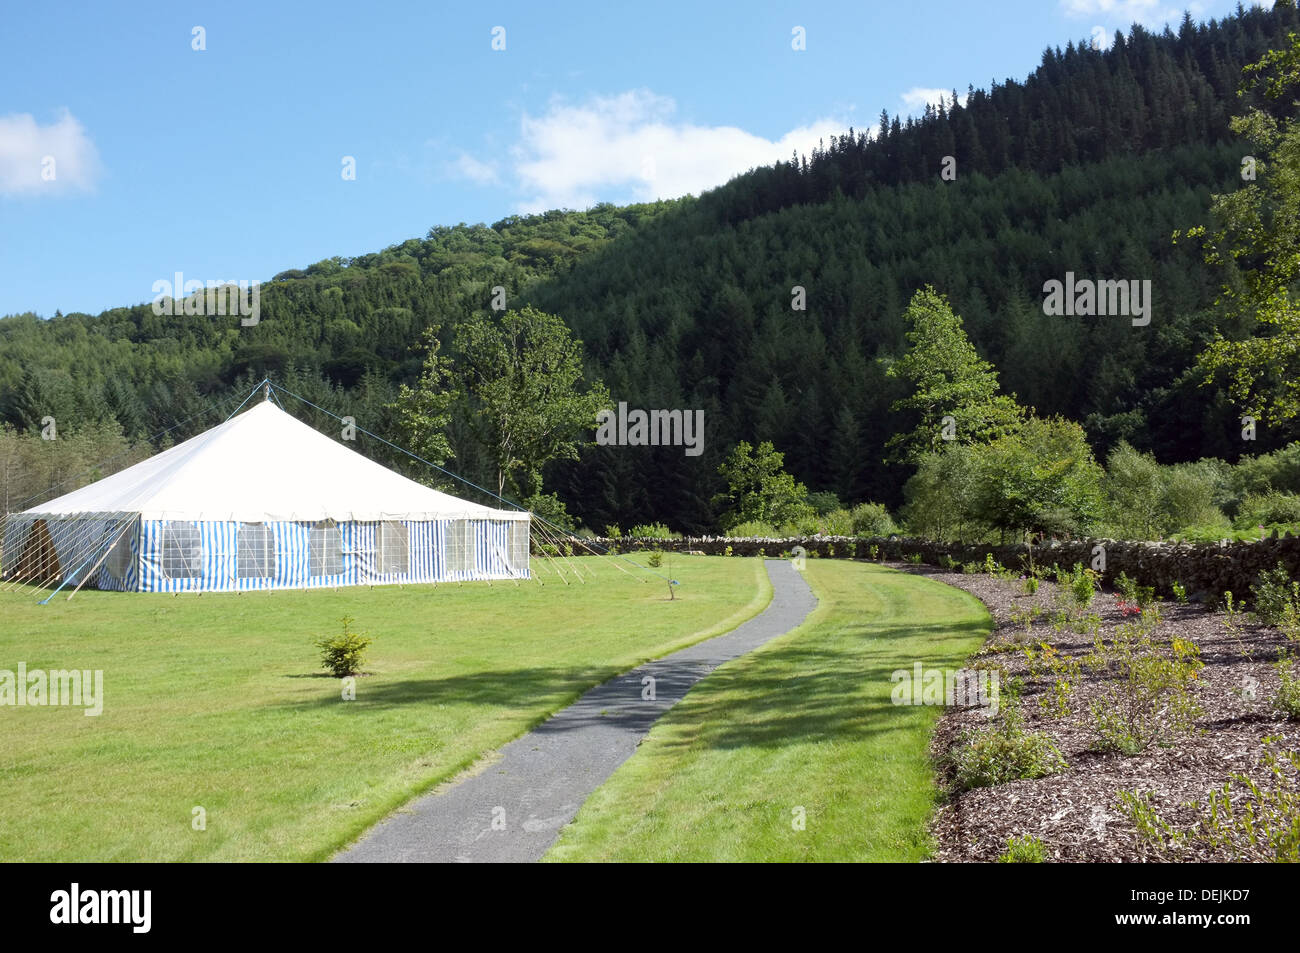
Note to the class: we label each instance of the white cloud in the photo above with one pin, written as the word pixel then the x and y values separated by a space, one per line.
pixel 1124 13
pixel 481 173
pixel 45 160
pixel 613 147
pixel 916 98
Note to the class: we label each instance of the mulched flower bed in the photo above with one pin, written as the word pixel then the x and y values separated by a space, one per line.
pixel 1076 813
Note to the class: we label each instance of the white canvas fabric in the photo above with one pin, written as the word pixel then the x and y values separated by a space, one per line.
pixel 261 466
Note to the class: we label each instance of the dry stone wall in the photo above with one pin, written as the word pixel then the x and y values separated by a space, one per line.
pixel 1206 570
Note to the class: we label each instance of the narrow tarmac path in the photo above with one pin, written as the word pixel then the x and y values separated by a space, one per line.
pixel 513 811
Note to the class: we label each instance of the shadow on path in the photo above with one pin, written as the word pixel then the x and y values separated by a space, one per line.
pixel 544 776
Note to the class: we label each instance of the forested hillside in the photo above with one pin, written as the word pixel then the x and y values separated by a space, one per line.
pixel 1088 165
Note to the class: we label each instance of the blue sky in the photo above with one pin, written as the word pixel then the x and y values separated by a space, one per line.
pixel 226 163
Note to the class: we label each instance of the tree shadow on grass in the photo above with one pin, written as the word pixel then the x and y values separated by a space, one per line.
pixel 507 689
pixel 796 694
pixel 787 694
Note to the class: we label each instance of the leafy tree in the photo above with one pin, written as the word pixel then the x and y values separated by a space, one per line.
pixel 1135 489
pixel 1188 498
pixel 523 374
pixel 1040 479
pixel 941 495
pixel 1269 471
pixel 424 410
pixel 948 379
pixel 758 489
pixel 34 470
pixel 1256 242
pixel 823 502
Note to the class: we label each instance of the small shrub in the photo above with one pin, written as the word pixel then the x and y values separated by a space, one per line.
pixel 1030 585
pixel 613 531
pixel 1277 596
pixel 836 523
pixel 995 568
pixel 1004 752
pixel 1023 850
pixel 1234 620
pixel 655 559
pixel 1056 704
pixel 1127 609
pixel 1151 697
pixel 751 529
pixel 1180 593
pixel 806 524
pixel 1084 585
pixel 1064 671
pixel 344 654
pixel 1085 623
pixel 1025 618
pixel 652 531
pixel 1139 596
pixel 1155 835
pixel 872 519
pixel 1080 583
pixel 914 558
pixel 1287 700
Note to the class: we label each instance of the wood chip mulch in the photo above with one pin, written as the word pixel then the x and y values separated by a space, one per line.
pixel 1075 813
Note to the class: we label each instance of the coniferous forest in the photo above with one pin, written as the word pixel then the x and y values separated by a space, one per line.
pixel 1088 165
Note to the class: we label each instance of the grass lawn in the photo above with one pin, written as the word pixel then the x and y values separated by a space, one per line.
pixel 804 722
pixel 217 701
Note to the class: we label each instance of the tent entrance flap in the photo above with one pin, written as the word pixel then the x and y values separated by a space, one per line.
pixel 39 559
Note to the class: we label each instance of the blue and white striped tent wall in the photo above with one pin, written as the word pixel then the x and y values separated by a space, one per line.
pixel 212 561
pixel 493 556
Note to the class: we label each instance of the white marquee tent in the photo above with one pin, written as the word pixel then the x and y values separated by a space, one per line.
pixel 262 501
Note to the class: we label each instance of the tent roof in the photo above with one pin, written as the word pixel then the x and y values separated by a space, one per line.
pixel 264 465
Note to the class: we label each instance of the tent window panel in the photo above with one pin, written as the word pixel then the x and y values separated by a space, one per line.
pixel 393 547
pixel 325 545
pixel 460 547
pixel 182 551
pixel 519 546
pixel 119 557
pixel 254 551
